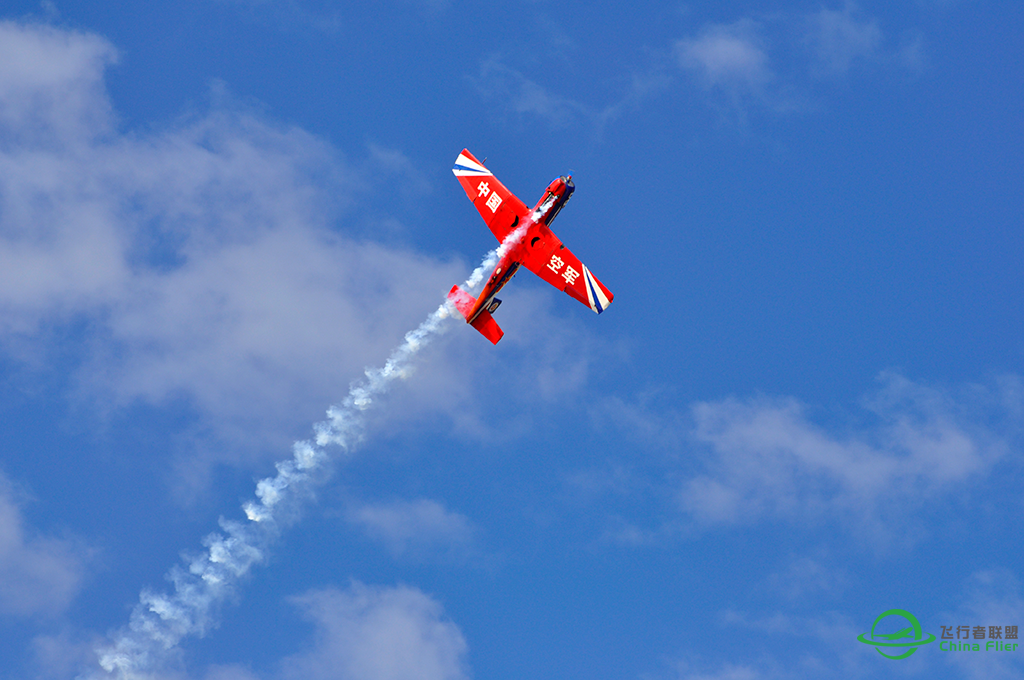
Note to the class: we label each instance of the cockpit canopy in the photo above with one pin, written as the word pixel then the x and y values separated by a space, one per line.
pixel 557 193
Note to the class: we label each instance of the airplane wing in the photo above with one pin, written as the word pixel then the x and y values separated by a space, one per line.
pixel 499 207
pixel 547 257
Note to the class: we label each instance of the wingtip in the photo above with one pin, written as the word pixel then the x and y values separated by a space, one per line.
pixel 598 297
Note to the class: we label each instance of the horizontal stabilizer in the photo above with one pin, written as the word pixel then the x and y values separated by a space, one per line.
pixel 462 300
pixel 484 322
pixel 487 326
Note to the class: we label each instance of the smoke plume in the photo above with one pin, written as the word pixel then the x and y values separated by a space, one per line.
pixel 161 620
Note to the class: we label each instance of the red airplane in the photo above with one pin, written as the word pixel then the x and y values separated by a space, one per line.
pixel 531 244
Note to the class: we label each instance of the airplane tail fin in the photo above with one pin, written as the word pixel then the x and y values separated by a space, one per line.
pixel 483 322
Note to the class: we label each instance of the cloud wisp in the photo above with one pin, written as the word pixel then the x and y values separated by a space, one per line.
pixel 774 62
pixel 520 96
pixel 993 597
pixel 414 528
pixel 914 453
pixel 840 38
pixel 766 458
pixel 730 57
pixel 39 576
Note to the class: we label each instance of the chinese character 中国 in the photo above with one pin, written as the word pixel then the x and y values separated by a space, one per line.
pixel 494 201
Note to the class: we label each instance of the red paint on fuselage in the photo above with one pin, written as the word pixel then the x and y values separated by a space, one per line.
pixel 536 227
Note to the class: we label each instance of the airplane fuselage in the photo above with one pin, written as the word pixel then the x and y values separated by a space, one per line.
pixel 535 229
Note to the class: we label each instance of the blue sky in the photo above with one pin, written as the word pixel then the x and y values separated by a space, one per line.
pixel 803 409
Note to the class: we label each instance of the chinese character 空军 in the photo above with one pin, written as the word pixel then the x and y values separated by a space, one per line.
pixel 555 264
pixel 995 632
pixel 570 275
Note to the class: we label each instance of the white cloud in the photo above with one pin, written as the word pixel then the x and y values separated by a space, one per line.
pixel 768 61
pixel 39 575
pixel 375 633
pixel 767 458
pixel 826 644
pixel 730 56
pixel 744 461
pixel 839 38
pixel 295 16
pixel 62 655
pixel 524 96
pixel 779 62
pixel 733 66
pixel 51 84
pixel 806 578
pixel 228 672
pixel 200 260
pixel 828 647
pixel 418 528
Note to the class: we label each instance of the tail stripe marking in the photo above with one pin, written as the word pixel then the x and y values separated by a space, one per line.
pixel 466 166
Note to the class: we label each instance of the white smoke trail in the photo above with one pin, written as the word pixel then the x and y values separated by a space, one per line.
pixel 160 621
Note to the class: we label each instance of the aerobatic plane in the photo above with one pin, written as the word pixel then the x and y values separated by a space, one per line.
pixel 532 244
